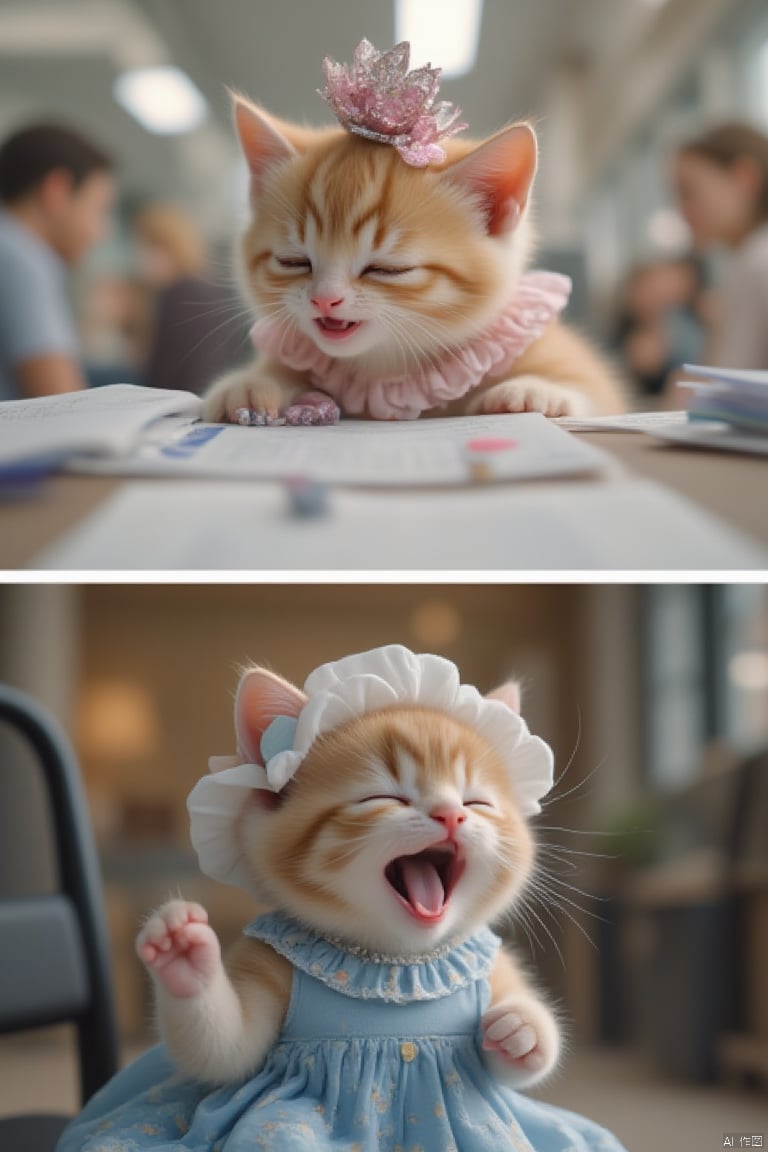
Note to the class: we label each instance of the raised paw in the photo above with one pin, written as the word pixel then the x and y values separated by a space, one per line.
pixel 532 394
pixel 179 948
pixel 522 1036
pixel 313 408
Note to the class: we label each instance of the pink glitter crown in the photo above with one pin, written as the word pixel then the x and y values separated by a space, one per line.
pixel 377 97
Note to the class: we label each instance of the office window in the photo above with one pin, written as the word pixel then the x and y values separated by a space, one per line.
pixel 705 675
pixel 761 70
pixel 673 640
pixel 749 54
pixel 745 683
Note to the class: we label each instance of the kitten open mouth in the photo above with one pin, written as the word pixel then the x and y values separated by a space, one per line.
pixel 336 329
pixel 424 881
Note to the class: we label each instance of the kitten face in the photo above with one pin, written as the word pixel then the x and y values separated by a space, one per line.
pixel 373 259
pixel 400 831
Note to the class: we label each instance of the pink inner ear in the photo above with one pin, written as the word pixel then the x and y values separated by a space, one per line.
pixel 261 696
pixel 263 145
pixel 508 693
pixel 501 172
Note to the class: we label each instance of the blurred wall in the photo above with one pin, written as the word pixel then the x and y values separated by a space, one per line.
pixel 39 654
pixel 182 646
pixel 144 676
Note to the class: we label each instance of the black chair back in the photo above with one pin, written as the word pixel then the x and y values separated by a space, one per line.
pixel 54 956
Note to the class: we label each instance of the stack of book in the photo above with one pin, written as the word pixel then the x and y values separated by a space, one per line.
pixel 729 396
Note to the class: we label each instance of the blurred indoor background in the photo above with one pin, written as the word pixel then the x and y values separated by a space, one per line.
pixel 613 86
pixel 655 700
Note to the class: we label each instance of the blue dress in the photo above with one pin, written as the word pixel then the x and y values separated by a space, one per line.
pixel 373 1056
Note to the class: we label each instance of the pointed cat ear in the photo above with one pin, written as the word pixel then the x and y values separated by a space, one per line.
pixel 261 695
pixel 508 693
pixel 262 142
pixel 501 172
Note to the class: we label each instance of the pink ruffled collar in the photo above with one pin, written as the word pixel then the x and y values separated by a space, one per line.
pixel 538 300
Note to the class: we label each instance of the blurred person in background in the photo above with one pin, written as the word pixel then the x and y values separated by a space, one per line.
pixel 114 323
pixel 56 195
pixel 661 324
pixel 721 179
pixel 191 340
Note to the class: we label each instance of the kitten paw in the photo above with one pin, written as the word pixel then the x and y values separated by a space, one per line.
pixel 531 394
pixel 179 948
pixel 240 391
pixel 257 418
pixel 313 408
pixel 521 1039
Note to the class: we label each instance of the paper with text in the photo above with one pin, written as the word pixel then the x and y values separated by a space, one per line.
pixel 650 422
pixel 102 421
pixel 361 452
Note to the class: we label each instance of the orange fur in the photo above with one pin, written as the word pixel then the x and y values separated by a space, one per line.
pixel 344 204
pixel 298 850
pixel 368 794
pixel 321 855
pixel 251 962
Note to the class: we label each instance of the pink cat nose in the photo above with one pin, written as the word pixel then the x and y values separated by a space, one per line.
pixel 450 817
pixel 326 304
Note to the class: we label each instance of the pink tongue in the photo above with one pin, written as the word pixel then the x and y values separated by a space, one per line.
pixel 335 325
pixel 423 885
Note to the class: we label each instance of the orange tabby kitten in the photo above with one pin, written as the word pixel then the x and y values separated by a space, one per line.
pixel 400 832
pixel 370 275
pixel 382 815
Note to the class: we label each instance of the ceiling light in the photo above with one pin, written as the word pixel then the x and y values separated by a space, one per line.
pixel 163 100
pixel 444 35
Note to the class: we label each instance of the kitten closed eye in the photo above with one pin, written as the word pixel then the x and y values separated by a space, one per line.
pixel 452 328
pixel 386 797
pixel 381 270
pixel 406 826
pixel 295 263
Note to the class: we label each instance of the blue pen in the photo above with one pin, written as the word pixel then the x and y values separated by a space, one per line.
pixel 27 476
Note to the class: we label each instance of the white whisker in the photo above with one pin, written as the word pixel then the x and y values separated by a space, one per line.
pixel 533 912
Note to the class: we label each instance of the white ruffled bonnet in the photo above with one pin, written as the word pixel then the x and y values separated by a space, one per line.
pixel 337 692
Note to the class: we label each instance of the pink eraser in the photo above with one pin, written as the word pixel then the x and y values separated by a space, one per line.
pixel 491 444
